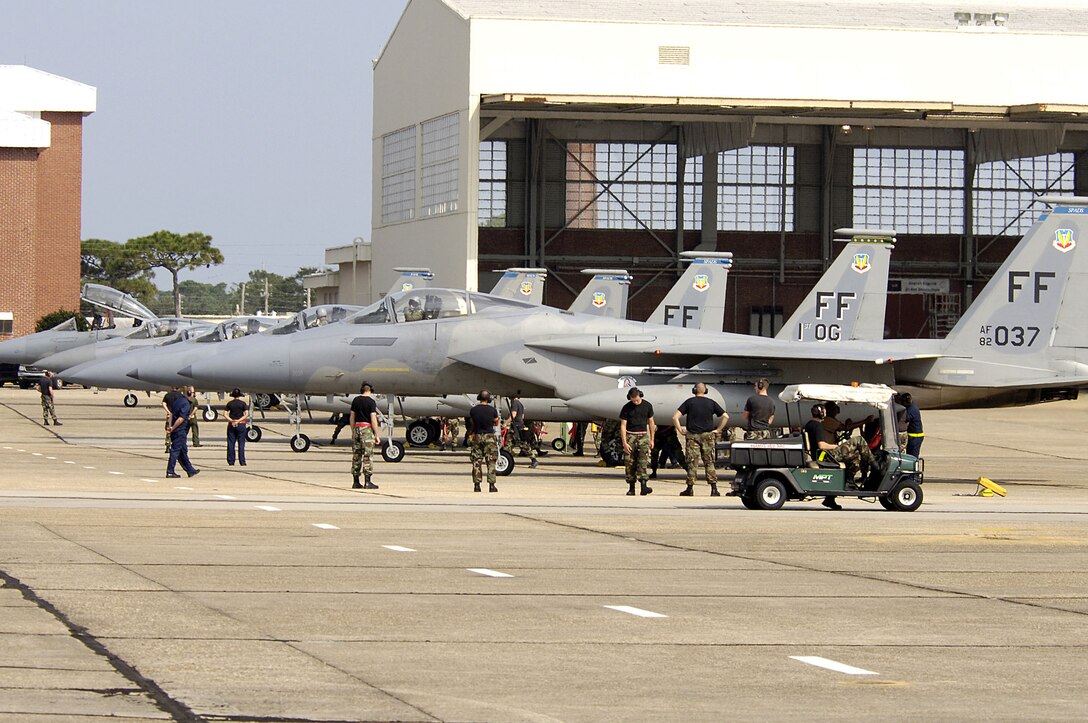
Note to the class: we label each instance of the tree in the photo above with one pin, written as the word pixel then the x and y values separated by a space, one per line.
pixel 285 293
pixel 175 253
pixel 108 263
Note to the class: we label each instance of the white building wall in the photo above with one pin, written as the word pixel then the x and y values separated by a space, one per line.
pixel 423 73
pixel 966 67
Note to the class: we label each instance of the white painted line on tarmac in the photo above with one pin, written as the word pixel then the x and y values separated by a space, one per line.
pixel 36 454
pixel 86 467
pixel 50 457
pixel 832 665
pixel 189 489
pixel 117 473
pixel 636 611
pixel 325 526
pixel 269 508
pixel 226 497
pixel 398 548
pixel 20 450
pixel 152 481
pixel 7 447
pixel 488 573
pixel 68 461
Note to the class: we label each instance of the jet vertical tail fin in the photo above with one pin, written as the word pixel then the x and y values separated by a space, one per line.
pixel 1030 318
pixel 411 278
pixel 605 294
pixel 521 283
pixel 850 300
pixel 698 298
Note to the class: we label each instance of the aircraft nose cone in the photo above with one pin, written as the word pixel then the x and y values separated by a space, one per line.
pixel 13 351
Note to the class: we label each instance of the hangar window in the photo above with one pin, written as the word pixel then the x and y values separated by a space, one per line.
pixel 441 139
pixel 7 323
pixel 913 190
pixel 492 206
pixel 621 185
pixel 1004 190
pixel 399 175
pixel 753 182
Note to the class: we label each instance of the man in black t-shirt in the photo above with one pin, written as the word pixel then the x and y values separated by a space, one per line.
pixel 637 430
pixel 759 412
pixel 702 433
pixel 364 436
pixel 237 426
pixel 45 388
pixel 483 448
pixel 853 452
pixel 521 431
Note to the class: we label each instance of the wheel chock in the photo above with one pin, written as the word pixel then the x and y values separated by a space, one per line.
pixel 989 488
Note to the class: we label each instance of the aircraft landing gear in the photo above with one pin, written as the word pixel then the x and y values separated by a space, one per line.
pixel 253 433
pixel 392 451
pixel 131 400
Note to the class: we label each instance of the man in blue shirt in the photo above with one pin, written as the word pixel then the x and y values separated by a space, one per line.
pixel 180 409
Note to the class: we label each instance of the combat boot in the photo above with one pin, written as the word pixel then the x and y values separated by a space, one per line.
pixel 492 488
pixel 689 491
pixel 476 487
pixel 368 485
pixel 355 482
pixel 714 490
pixel 631 489
pixel 645 489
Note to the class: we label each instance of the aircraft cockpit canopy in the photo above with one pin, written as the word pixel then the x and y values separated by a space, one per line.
pixel 314 317
pixel 157 329
pixel 236 329
pixel 432 305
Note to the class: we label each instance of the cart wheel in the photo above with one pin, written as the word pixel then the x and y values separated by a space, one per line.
pixel 131 400
pixel 419 433
pixel 300 443
pixel 210 414
pixel 393 451
pixel 504 464
pixel 769 494
pixel 253 434
pixel 907 496
pixel 886 502
pixel 558 444
pixel 749 501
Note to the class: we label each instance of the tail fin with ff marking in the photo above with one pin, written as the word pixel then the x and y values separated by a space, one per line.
pixel 605 294
pixel 523 284
pixel 851 298
pixel 411 278
pixel 698 298
pixel 1030 322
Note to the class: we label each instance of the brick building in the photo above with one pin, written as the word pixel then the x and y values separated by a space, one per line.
pixel 41 173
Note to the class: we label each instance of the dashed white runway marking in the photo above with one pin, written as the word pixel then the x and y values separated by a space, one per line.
pixel 87 467
pixel 68 461
pixel 488 573
pixel 190 489
pixel 398 548
pixel 117 473
pixel 36 454
pixel 269 508
pixel 151 481
pixel 325 526
pixel 832 665
pixel 7 447
pixel 226 497
pixel 50 457
pixel 20 450
pixel 636 611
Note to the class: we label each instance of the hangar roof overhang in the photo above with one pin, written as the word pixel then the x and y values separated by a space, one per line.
pixel 781 111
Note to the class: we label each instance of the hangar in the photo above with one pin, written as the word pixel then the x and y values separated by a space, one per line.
pixel 574 133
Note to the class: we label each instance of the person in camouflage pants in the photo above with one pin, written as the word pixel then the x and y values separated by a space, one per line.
pixel 637 431
pixel 362 450
pixel 637 463
pixel 451 430
pixel 852 452
pixel 483 450
pixel 702 446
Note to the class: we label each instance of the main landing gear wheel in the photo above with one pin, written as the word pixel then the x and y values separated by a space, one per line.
pixel 210 414
pixel 300 443
pixel 131 400
pixel 558 444
pixel 262 400
pixel 253 434
pixel 393 451
pixel 770 494
pixel 420 433
pixel 504 464
pixel 906 497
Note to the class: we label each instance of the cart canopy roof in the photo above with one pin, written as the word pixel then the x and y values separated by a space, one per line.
pixel 877 395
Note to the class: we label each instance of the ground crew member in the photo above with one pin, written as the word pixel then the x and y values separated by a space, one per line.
pixel 759 412
pixel 364 435
pixel 167 404
pixel 913 419
pixel 483 447
pixel 178 428
pixel 852 452
pixel 237 419
pixel 190 394
pixel 451 430
pixel 45 387
pixel 702 435
pixel 637 430
pixel 522 432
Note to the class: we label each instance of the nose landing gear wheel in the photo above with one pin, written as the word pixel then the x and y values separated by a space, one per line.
pixel 300 443
pixel 253 434
pixel 504 464
pixel 210 414
pixel 558 444
pixel 392 451
pixel 131 400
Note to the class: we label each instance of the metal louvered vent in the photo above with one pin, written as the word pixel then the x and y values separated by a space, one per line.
pixel 673 55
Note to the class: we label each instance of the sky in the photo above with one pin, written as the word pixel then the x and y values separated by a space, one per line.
pixel 246 120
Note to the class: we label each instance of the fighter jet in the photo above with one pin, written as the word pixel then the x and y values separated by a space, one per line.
pixel 152 333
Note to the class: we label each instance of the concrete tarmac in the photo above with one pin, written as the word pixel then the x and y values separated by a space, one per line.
pixel 275 593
